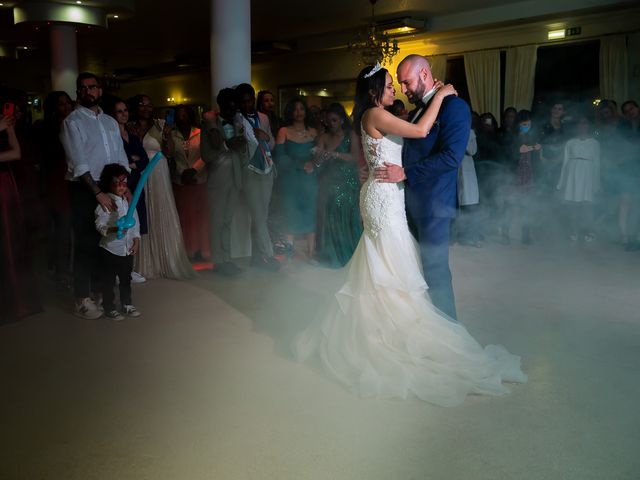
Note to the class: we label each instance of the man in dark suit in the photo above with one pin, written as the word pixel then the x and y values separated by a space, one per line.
pixel 430 171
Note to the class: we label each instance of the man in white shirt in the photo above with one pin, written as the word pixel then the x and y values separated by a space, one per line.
pixel 91 140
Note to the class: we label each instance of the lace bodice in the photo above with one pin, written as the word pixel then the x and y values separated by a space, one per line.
pixel 380 150
pixel 381 204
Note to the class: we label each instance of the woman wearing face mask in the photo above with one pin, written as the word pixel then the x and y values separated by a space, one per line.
pixel 339 224
pixel 527 152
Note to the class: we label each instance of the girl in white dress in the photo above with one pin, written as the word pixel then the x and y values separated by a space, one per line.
pixel 162 251
pixel 580 179
pixel 382 337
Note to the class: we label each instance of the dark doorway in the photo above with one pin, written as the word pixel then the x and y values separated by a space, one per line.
pixel 456 75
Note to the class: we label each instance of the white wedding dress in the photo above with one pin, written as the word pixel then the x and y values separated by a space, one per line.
pixel 382 336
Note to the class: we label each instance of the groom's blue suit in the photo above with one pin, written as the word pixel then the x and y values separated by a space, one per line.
pixel 431 166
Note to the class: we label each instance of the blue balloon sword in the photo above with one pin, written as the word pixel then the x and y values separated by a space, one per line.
pixel 126 222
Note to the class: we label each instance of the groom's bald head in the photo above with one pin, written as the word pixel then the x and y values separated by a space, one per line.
pixel 414 62
pixel 414 77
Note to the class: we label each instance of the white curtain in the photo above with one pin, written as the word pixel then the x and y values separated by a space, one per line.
pixel 483 78
pixel 520 76
pixel 614 75
pixel 438 65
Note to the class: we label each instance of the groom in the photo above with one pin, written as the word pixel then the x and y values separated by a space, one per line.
pixel 430 171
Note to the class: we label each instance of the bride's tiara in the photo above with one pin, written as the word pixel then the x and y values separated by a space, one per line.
pixel 374 70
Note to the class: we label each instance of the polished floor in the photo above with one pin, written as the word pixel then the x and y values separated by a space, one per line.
pixel 202 386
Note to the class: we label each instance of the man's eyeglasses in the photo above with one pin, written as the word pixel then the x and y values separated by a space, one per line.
pixel 146 105
pixel 89 87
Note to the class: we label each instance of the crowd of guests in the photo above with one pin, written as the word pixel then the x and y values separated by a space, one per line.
pixel 579 167
pixel 295 177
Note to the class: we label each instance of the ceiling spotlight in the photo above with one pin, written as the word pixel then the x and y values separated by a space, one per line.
pixel 78 2
pixel 115 16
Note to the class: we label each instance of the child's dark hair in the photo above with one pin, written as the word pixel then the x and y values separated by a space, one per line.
pixel 523 116
pixel 109 172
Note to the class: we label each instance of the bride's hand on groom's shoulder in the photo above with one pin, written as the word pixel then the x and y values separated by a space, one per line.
pixel 446 90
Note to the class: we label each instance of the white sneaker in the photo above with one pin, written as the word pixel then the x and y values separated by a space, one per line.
pixel 87 309
pixel 131 311
pixel 137 278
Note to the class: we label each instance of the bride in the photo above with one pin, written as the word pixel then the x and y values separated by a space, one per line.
pixel 382 337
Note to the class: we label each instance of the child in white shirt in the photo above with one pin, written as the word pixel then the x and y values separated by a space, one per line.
pixel 116 255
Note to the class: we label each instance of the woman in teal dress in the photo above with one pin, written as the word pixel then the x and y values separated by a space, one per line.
pixel 339 224
pixel 297 175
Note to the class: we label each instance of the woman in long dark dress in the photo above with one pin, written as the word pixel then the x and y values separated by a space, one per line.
pixel 298 175
pixel 18 292
pixel 53 163
pixel 339 224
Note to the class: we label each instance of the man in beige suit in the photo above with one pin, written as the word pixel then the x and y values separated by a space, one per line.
pixel 223 148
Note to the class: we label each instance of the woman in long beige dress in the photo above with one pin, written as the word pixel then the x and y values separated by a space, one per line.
pixel 162 251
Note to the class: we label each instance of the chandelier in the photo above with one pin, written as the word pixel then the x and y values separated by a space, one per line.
pixel 376 46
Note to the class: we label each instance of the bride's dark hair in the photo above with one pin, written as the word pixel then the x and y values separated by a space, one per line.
pixel 369 92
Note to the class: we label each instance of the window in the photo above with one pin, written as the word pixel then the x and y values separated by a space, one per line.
pixel 567 72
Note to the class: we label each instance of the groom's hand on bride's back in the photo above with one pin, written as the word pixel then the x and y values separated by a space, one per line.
pixel 390 173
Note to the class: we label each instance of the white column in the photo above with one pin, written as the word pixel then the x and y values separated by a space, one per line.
pixel 64 59
pixel 231 65
pixel 230 44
